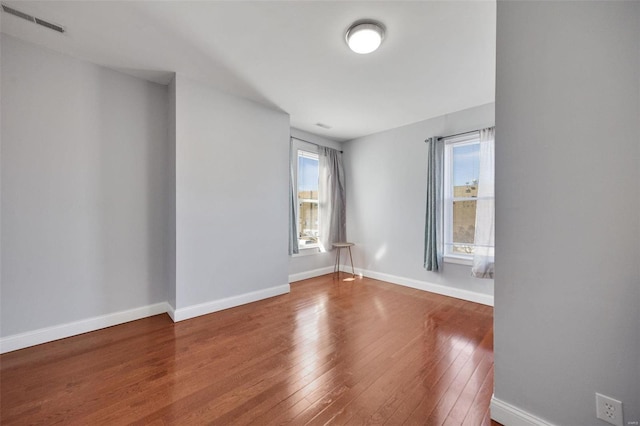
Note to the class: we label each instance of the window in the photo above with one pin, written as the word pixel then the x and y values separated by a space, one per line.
pixel 316 198
pixel 307 185
pixel 461 175
pixel 460 207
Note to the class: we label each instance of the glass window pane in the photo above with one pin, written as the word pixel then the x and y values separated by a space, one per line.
pixel 308 215
pixel 464 226
pixel 466 166
pixel 308 175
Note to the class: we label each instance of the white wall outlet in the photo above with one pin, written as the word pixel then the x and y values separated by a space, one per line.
pixel 609 409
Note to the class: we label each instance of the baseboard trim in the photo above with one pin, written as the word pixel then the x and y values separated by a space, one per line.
pixel 171 311
pixel 193 311
pixel 509 415
pixel 310 274
pixel 470 296
pixel 49 334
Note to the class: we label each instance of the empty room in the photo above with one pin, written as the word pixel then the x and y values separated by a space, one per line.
pixel 320 212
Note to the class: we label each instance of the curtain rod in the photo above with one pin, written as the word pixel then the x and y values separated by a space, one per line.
pixel 312 143
pixel 457 134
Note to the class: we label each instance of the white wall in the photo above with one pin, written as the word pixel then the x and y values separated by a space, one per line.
pixel 305 265
pixel 231 195
pixel 84 150
pixel 171 190
pixel 567 287
pixel 386 203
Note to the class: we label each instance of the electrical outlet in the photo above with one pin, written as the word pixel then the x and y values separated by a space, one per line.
pixel 609 409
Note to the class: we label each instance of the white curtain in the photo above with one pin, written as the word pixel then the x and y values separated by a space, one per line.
pixel 293 220
pixel 331 198
pixel 483 258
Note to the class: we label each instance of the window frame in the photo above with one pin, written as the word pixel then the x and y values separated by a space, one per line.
pixel 310 151
pixel 448 197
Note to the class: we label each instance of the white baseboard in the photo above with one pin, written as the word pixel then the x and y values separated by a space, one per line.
pixel 470 296
pixel 193 311
pixel 510 415
pixel 49 334
pixel 171 311
pixel 310 274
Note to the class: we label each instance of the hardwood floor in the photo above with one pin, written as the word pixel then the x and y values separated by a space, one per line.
pixel 330 352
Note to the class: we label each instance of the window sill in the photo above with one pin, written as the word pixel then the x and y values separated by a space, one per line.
pixel 458 260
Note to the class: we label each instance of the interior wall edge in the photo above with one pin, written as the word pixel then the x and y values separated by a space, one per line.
pixel 200 309
pixel 61 331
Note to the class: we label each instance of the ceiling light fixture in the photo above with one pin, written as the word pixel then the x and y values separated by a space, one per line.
pixel 364 36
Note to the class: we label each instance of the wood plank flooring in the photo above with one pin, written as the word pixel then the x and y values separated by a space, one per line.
pixel 330 352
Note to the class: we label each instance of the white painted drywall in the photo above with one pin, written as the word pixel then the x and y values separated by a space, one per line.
pixel 567 286
pixel 304 263
pixel 84 150
pixel 386 199
pixel 171 191
pixel 231 195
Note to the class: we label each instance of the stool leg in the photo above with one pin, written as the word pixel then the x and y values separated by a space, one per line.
pixel 336 267
pixel 351 257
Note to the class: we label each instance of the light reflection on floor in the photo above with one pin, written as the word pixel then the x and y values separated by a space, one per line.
pixel 310 323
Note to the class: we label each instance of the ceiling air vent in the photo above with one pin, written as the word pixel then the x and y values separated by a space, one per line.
pixel 324 126
pixel 49 25
pixel 30 18
pixel 17 13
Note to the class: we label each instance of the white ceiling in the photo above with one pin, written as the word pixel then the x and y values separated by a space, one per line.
pixel 437 57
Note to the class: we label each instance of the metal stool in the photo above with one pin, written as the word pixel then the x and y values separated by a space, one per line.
pixel 339 246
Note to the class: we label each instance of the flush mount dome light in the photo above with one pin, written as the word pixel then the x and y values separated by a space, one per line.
pixel 364 36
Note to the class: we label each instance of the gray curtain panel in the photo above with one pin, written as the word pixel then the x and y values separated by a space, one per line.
pixel 433 246
pixel 293 220
pixel 332 199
